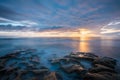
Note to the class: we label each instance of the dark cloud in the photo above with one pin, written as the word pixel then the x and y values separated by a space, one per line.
pixel 52 27
pixel 8 13
pixel 10 27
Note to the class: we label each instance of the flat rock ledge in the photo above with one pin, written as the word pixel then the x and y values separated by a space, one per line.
pixel 26 65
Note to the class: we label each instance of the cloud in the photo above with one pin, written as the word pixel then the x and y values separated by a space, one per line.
pixel 26 23
pixel 44 15
pixel 111 28
pixel 11 25
pixel 8 13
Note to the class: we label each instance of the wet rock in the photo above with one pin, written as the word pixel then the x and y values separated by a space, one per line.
pixel 106 61
pixel 65 60
pixel 70 60
pixel 7 72
pixel 23 58
pixel 81 55
pixel 35 59
pixel 11 69
pixel 102 76
pixel 54 61
pixel 30 66
pixel 103 69
pixel 27 67
pixel 53 76
pixel 19 76
pixel 100 68
pixel 73 68
pixel 40 71
pixel 8 56
pixel 1 66
pixel 24 62
pixel 3 61
pixel 11 65
pixel 2 71
pixel 35 78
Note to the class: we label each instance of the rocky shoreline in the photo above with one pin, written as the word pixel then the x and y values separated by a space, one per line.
pixel 26 65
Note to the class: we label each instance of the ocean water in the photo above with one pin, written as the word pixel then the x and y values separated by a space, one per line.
pixel 59 47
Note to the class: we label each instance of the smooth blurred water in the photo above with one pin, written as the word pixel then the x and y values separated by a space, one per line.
pixel 59 47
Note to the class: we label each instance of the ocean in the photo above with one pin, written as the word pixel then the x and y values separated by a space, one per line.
pixel 59 47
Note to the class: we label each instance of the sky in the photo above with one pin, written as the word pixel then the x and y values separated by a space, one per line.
pixel 59 18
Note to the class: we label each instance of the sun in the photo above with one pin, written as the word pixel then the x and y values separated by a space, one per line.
pixel 84 32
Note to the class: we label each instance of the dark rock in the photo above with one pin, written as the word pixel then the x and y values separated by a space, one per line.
pixel 73 68
pixel 102 76
pixel 65 61
pixel 106 61
pixel 54 61
pixel 2 71
pixel 103 69
pixel 3 61
pixel 100 68
pixel 1 67
pixel 30 66
pixel 11 65
pixel 18 77
pixel 40 71
pixel 11 70
pixel 35 59
pixel 87 56
pixel 7 56
pixel 24 65
pixel 35 78
pixel 53 76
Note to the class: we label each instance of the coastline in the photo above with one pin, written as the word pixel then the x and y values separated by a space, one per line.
pixel 27 65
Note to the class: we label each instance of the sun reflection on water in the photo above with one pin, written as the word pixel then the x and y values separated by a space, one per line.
pixel 84 44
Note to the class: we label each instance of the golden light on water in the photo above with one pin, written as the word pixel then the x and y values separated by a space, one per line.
pixel 82 43
pixel 81 34
pixel 84 46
